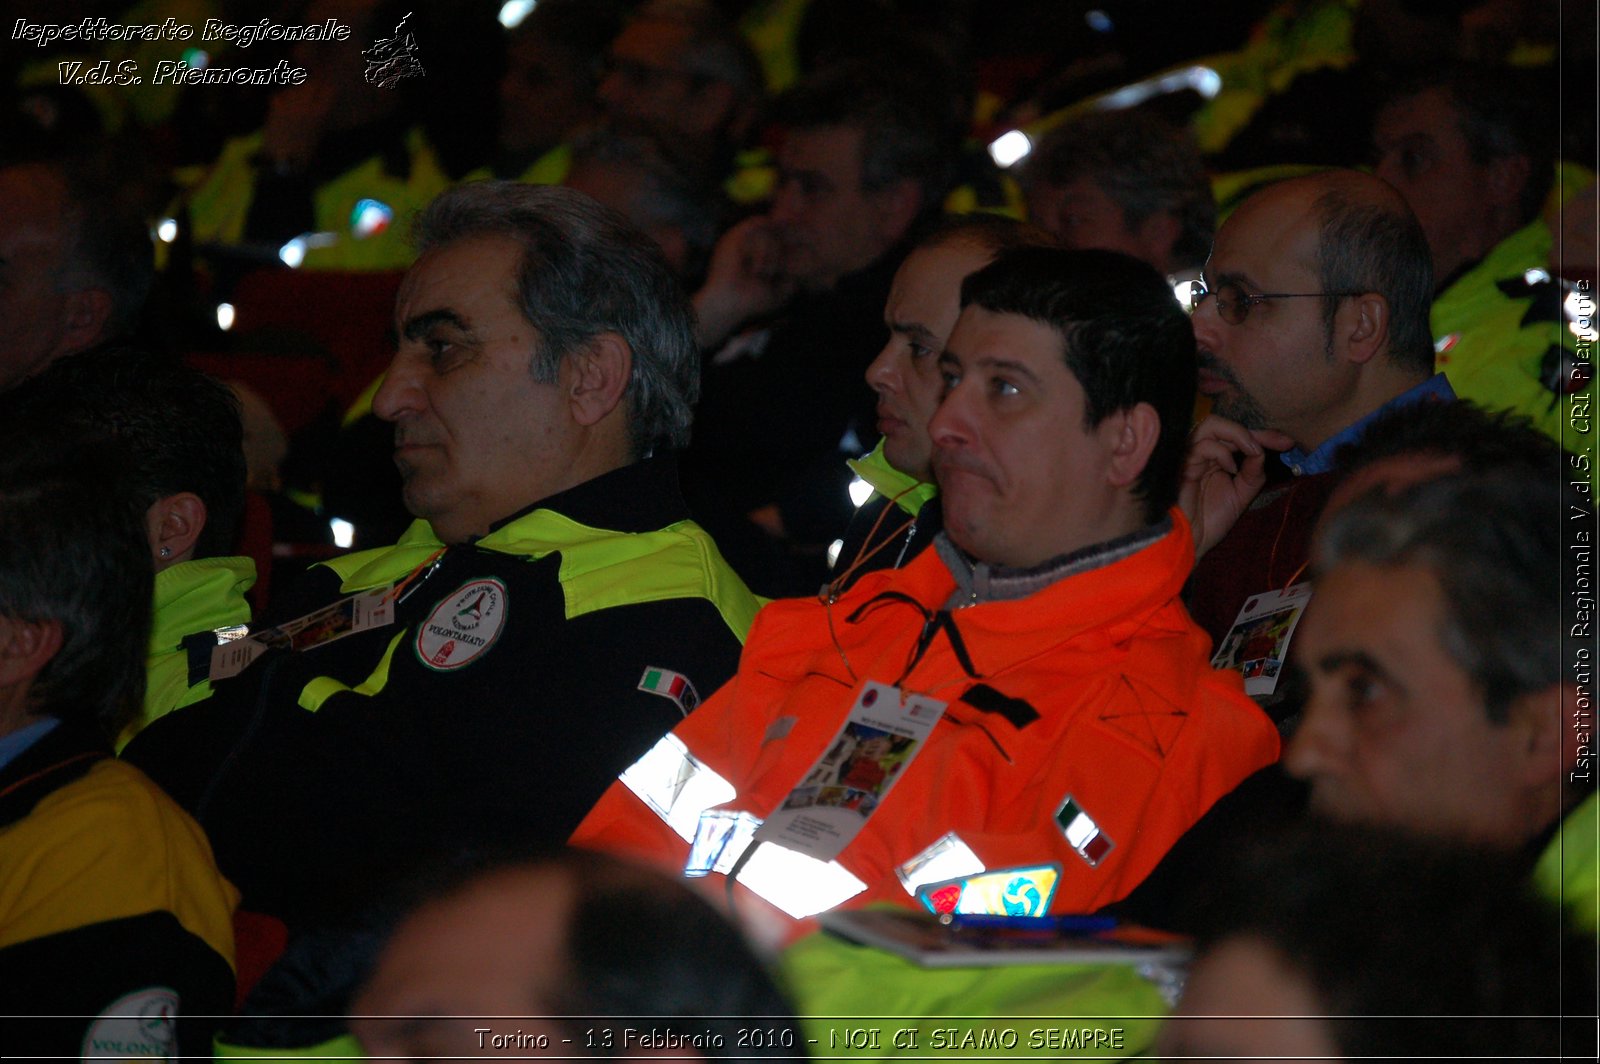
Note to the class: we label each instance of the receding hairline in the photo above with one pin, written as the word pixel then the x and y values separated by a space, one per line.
pixel 1315 198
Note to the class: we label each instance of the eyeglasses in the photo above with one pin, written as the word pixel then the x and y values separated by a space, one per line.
pixel 1234 303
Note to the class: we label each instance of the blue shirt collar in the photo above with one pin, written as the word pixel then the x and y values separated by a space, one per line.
pixel 1304 464
pixel 14 744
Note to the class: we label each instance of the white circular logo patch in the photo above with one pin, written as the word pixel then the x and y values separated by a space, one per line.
pixel 137 1026
pixel 463 626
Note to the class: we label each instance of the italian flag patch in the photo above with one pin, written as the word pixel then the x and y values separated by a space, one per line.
pixel 672 685
pixel 1082 833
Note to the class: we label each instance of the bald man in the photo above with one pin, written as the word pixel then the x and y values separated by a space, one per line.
pixel 1314 321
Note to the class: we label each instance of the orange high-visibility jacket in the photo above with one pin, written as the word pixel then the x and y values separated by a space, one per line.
pixel 1095 689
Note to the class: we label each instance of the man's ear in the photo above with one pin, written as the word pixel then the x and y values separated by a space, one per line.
pixel 1546 749
pixel 896 207
pixel 1131 435
pixel 88 310
pixel 26 647
pixel 173 524
pixel 1363 325
pixel 600 371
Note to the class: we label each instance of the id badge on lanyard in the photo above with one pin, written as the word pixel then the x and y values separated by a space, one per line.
pixel 354 613
pixel 1258 643
pixel 884 731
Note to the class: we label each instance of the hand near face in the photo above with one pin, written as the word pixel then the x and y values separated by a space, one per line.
pixel 1225 470
pixel 745 280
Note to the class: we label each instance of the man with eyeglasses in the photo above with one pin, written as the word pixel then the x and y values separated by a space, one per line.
pixel 1313 320
pixel 681 74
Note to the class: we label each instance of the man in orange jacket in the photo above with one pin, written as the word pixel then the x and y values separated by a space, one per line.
pixel 1055 719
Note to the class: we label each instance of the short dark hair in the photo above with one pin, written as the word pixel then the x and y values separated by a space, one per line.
pixel 906 134
pixel 1123 336
pixel 1143 163
pixel 73 550
pixel 1369 246
pixel 647 949
pixel 179 429
pixel 993 233
pixel 1393 931
pixel 641 949
pixel 1503 113
pixel 1492 540
pixel 585 271
pixel 1481 440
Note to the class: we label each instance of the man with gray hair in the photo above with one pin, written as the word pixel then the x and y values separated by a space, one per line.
pixel 552 612
pixel 1124 181
pixel 1448 684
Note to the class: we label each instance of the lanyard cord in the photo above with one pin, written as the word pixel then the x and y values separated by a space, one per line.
pixel 429 564
pixel 1272 558
pixel 830 590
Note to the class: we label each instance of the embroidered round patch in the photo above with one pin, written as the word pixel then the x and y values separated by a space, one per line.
pixel 137 1026
pixel 463 626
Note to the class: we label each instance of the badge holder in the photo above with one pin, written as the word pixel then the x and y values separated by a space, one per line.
pixel 1258 642
pixel 884 731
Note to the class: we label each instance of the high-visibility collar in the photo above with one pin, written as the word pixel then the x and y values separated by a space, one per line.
pixel 640 497
pixel 909 493
pixel 198 596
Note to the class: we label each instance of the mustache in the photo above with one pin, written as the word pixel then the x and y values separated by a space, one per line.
pixel 1216 367
pixel 944 461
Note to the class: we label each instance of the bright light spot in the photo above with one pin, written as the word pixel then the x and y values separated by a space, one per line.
pixel 512 12
pixel 195 59
pixel 1187 293
pixel 167 230
pixel 344 533
pixel 293 253
pixel 1201 79
pixel 1098 21
pixel 370 217
pixel 833 552
pixel 1536 276
pixel 230 633
pixel 224 316
pixel 1010 148
pixel 799 885
pixel 860 491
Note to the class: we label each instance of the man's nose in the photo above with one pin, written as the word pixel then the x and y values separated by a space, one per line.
pixel 1207 325
pixel 882 374
pixel 951 426
pixel 400 393
pixel 1317 748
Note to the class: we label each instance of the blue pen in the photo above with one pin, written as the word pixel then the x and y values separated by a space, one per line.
pixel 1075 923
